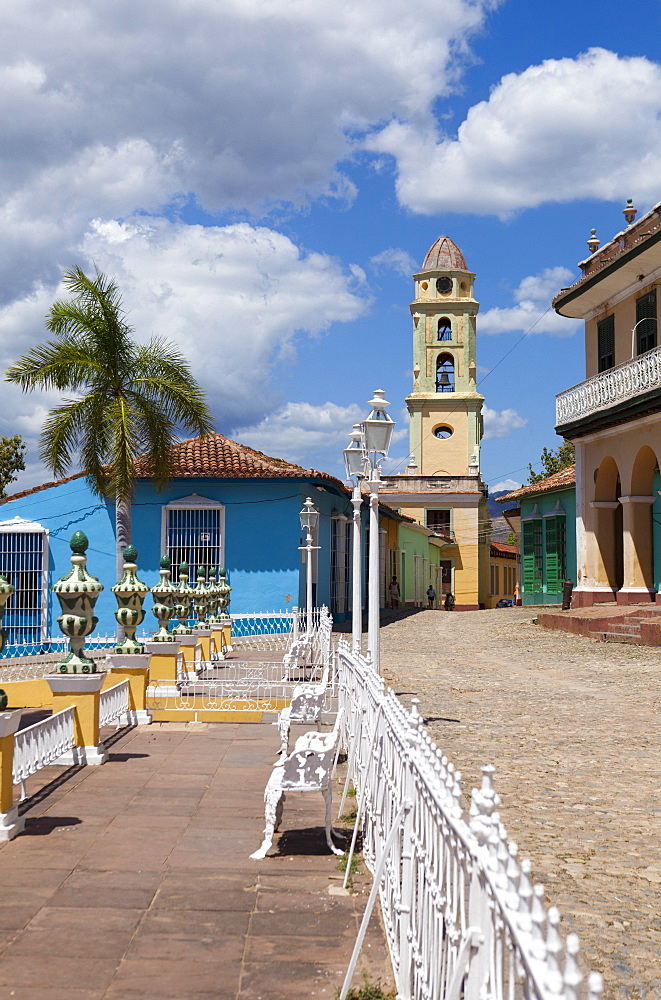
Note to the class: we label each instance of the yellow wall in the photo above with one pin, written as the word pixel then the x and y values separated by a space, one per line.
pixel 494 593
pixel 625 320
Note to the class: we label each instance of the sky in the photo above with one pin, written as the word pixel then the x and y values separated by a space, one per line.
pixel 263 177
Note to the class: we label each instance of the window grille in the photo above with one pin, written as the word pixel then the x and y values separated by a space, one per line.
pixel 194 535
pixel 646 316
pixel 445 373
pixel 438 520
pixel 23 562
pixel 340 564
pixel 606 343
pixel 444 329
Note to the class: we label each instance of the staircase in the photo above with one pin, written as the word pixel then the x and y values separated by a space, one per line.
pixel 639 627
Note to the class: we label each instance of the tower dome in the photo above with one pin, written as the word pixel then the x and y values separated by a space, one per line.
pixel 444 255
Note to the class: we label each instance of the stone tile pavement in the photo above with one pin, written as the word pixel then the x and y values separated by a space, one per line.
pixel 573 727
pixel 133 880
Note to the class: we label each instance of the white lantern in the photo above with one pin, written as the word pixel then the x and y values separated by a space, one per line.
pixel 378 427
pixel 309 516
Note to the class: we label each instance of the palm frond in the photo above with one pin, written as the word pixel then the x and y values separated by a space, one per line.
pixel 62 365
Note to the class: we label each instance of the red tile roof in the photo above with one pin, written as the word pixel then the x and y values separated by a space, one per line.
pixel 44 486
pixel 444 255
pixel 564 478
pixel 212 457
pixel 504 549
pixel 217 457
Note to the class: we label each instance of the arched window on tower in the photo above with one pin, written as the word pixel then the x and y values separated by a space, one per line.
pixel 445 373
pixel 444 328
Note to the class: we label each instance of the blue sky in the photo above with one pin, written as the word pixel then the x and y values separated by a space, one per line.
pixel 263 176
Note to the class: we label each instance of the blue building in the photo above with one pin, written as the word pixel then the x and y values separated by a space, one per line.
pixel 226 505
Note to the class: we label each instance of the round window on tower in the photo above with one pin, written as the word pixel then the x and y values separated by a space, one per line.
pixel 424 285
pixel 443 431
pixel 444 285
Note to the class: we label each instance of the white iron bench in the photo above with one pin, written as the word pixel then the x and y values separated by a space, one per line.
pixel 307 769
pixel 306 706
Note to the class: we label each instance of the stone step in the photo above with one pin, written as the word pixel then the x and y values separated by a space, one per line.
pixel 633 637
pixel 625 627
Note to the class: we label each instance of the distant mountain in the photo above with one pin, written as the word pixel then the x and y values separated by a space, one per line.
pixel 496 509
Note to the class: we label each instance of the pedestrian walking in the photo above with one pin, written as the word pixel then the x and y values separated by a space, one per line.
pixel 395 595
pixel 431 595
pixel 449 602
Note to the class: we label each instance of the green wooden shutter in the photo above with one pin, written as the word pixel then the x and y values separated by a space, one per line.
pixel 528 558
pixel 552 565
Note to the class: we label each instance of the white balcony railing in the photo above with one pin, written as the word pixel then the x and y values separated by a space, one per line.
pixel 626 381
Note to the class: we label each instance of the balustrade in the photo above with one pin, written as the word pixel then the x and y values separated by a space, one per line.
pixel 617 385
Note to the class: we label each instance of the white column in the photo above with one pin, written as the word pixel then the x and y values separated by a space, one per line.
pixel 356 574
pixel 373 610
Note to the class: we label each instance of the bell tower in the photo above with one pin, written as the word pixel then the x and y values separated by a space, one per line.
pixel 445 406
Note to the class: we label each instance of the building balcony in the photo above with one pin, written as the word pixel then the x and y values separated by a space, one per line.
pixel 623 393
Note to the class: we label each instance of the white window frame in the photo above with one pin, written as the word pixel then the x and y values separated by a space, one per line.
pixel 193 502
pixel 19 525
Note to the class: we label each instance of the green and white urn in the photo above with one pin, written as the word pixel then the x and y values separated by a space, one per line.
pixel 183 597
pixel 6 590
pixel 224 591
pixel 130 594
pixel 165 594
pixel 201 597
pixel 77 593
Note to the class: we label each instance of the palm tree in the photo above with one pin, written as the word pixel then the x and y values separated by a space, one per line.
pixel 129 400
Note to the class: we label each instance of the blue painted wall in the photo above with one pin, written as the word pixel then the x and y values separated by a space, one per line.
pixel 262 535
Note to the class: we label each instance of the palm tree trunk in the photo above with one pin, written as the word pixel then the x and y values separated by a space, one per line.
pixel 122 539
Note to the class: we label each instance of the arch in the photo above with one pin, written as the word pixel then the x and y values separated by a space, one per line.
pixel 608 527
pixel 444 328
pixel 445 373
pixel 642 474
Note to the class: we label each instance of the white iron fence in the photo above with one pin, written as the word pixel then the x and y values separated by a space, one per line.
pixel 41 744
pixel 462 917
pixel 616 385
pixel 114 704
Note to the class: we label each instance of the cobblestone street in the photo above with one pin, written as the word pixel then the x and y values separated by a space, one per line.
pixel 572 726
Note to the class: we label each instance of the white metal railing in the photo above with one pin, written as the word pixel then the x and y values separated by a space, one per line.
pixel 114 704
pixel 625 381
pixel 42 744
pixel 462 916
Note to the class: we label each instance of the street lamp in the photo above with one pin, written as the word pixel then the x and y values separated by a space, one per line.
pixel 633 333
pixel 354 463
pixel 309 516
pixel 375 437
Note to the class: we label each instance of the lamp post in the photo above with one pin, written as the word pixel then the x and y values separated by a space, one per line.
pixel 354 463
pixel 309 516
pixel 375 437
pixel 633 333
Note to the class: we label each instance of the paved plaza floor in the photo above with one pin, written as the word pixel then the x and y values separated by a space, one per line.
pixel 133 879
pixel 573 728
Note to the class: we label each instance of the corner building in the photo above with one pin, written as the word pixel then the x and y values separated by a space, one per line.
pixel 614 416
pixel 441 487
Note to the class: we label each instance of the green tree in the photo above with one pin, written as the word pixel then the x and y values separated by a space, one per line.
pixel 553 460
pixel 12 459
pixel 130 398
pixel 511 539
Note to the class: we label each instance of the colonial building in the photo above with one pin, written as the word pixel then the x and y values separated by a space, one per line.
pixel 614 416
pixel 441 487
pixel 544 522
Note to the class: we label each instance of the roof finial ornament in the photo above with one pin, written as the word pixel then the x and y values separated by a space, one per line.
pixel 629 212
pixel 593 242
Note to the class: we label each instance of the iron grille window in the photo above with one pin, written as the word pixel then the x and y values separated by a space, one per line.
pixel 606 343
pixel 446 576
pixel 22 561
pixel 339 565
pixel 193 535
pixel 444 329
pixel 646 317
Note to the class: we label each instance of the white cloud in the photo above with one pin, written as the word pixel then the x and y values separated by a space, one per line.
pixel 107 109
pixel 397 260
pixel 501 423
pixel 532 312
pixel 507 485
pixel 301 432
pixel 566 129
